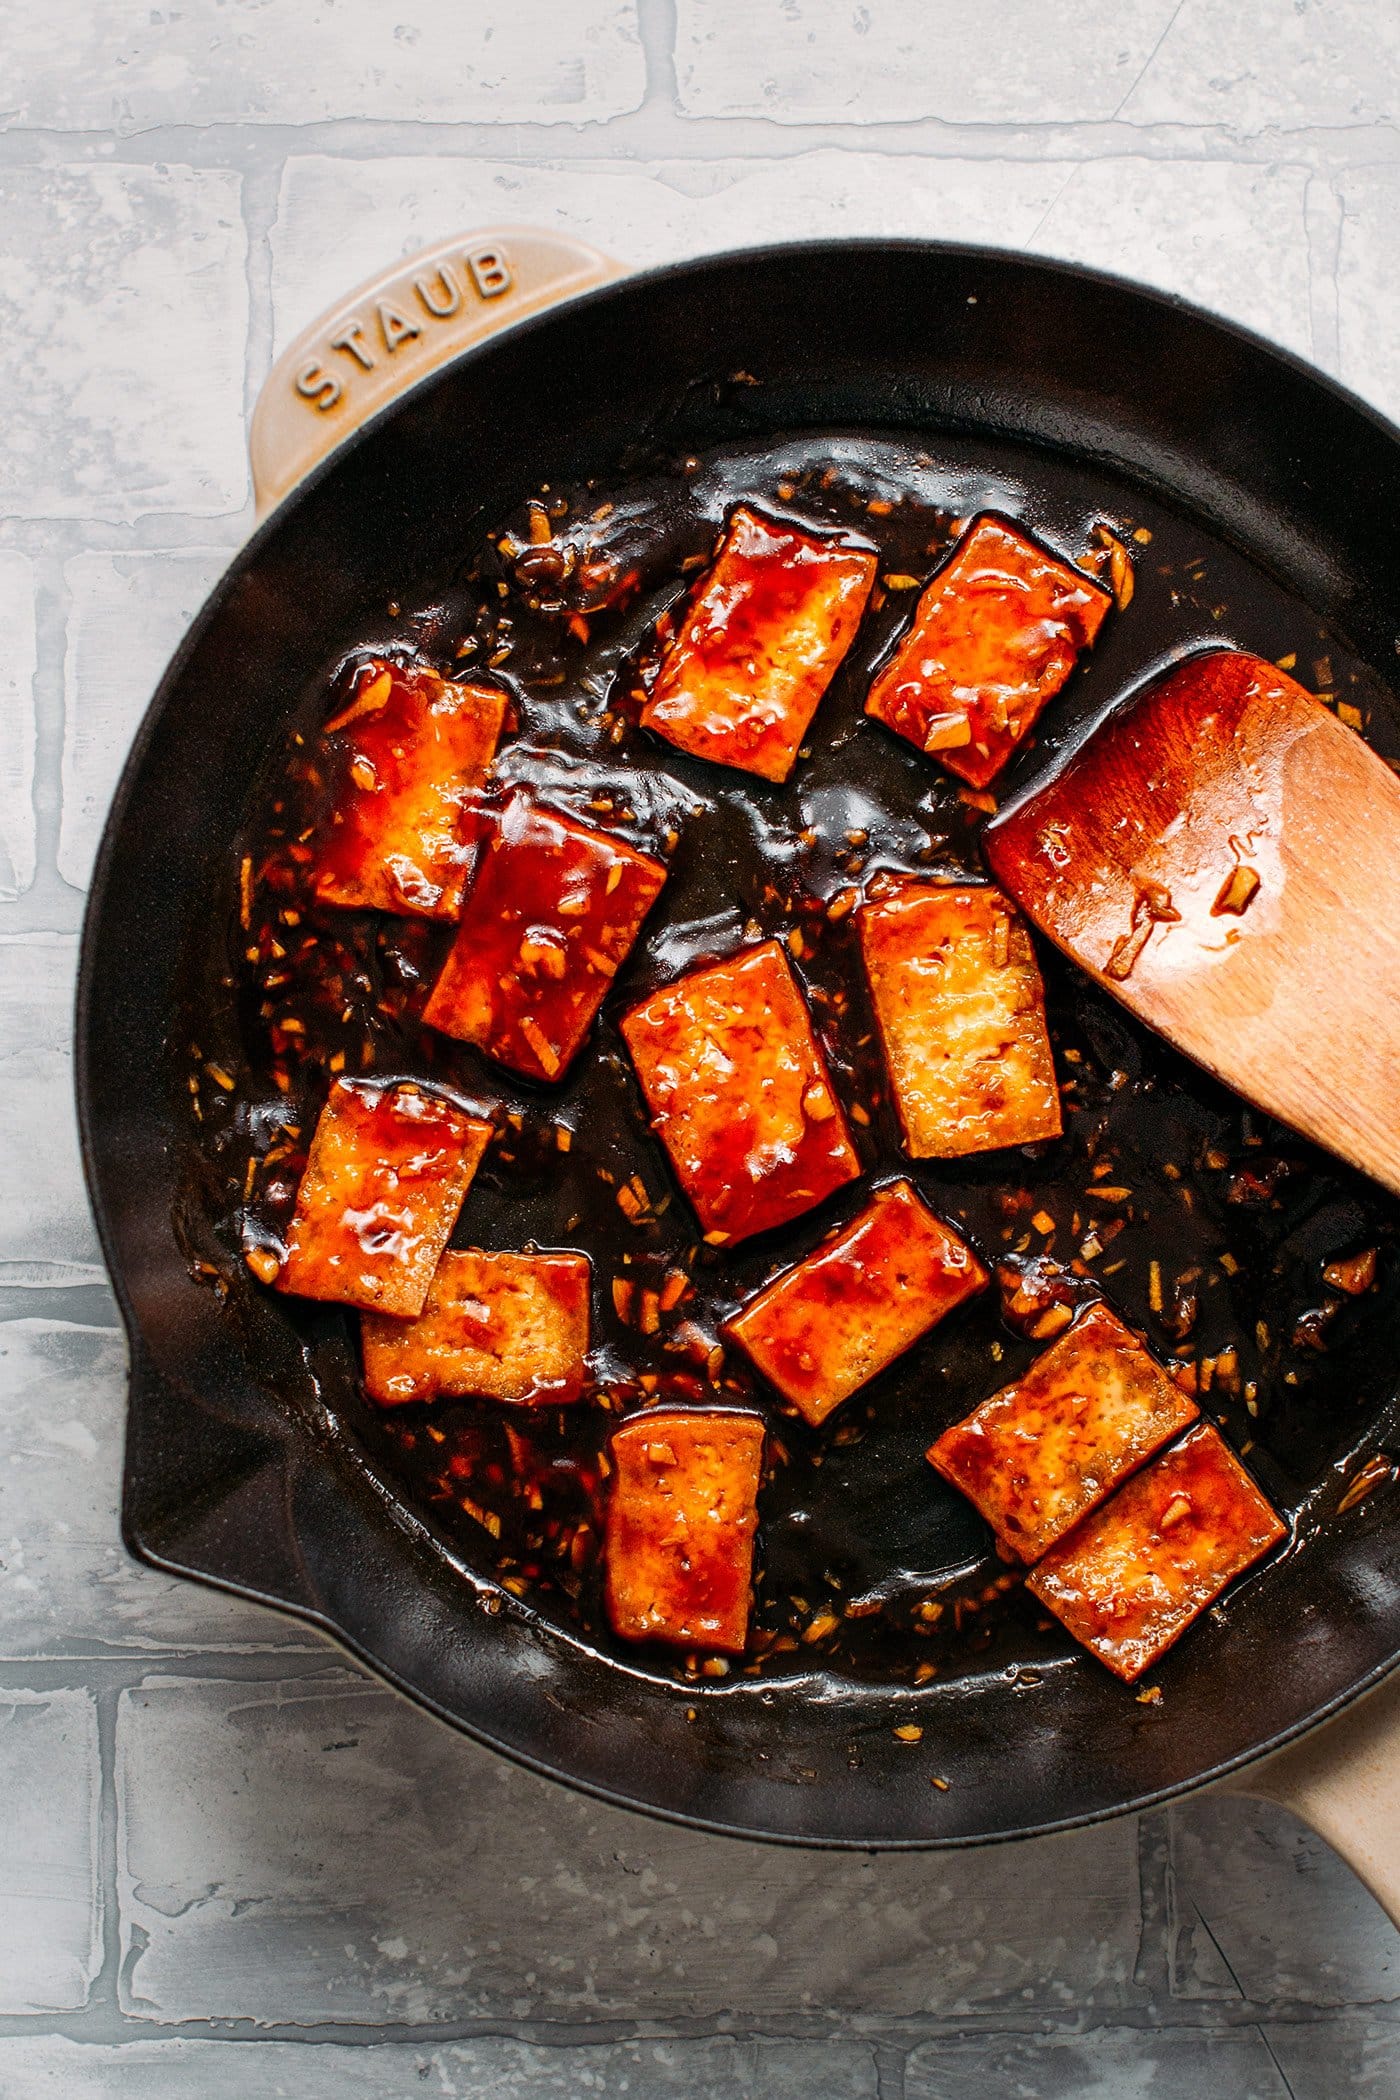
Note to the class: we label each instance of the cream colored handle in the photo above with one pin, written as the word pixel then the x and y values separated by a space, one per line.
pixel 396 328
pixel 1343 1780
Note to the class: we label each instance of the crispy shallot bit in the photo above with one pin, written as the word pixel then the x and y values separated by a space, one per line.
pixel 1376 1471
pixel 1237 892
pixel 1353 1274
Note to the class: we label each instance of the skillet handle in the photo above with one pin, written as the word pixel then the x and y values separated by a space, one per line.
pixel 1343 1780
pixel 399 326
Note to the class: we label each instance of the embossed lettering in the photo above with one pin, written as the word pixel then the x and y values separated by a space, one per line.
pixel 427 288
pixel 395 327
pixel 314 383
pixel 491 273
pixel 351 340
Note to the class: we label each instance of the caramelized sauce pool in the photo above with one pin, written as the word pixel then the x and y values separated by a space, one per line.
pixel 1205 1226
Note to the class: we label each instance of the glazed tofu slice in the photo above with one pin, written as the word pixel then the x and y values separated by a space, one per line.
pixel 385 1178
pixel 961 1009
pixel 994 637
pixel 1133 1576
pixel 821 1330
pixel 678 1548
pixel 1040 1454
pixel 550 919
pixel 407 757
pixel 739 1093
pixel 510 1327
pixel 760 644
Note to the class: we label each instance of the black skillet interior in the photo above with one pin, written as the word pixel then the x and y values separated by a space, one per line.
pixel 1021 383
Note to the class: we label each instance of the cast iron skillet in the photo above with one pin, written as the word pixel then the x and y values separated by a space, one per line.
pixel 225 1482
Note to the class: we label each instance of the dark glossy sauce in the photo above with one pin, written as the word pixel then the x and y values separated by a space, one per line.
pixel 870 1567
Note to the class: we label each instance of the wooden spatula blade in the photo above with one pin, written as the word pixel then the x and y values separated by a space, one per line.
pixel 1223 855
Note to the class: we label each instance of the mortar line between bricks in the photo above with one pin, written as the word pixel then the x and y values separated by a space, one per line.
pixel 54 914
pixel 1322 211
pixel 899 2034
pixel 658 27
pixel 102 1672
pixel 261 190
pixel 655 132
pixel 1284 2078
pixel 52 606
pixel 1152 1970
pixel 102 1998
pixel 890 2066
pixel 155 532
pixel 80 1304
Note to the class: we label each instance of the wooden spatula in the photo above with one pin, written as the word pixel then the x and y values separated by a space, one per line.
pixel 1223 855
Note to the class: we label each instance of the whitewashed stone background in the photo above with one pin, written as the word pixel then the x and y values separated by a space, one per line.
pixel 229 1865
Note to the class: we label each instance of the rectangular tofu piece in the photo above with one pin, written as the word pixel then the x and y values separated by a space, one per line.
pixel 961 1008
pixel 1040 1454
pixel 678 1548
pixel 406 759
pixel 550 919
pixel 821 1330
pixel 994 637
pixel 1133 1576
pixel 739 1093
pixel 385 1178
pixel 510 1327
pixel 761 641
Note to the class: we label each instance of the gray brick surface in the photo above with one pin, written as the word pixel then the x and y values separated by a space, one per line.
pixel 1323 2060
pixel 18 838
pixel 106 66
pixel 1369 343
pixel 291 1847
pixel 1231 238
pixel 128 612
pixel 45 1226
pixel 1266 1914
pixel 1275 65
pixel 67 1585
pixel 719 2068
pixel 134 281
pixel 1099 2066
pixel 805 62
pixel 50 1928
